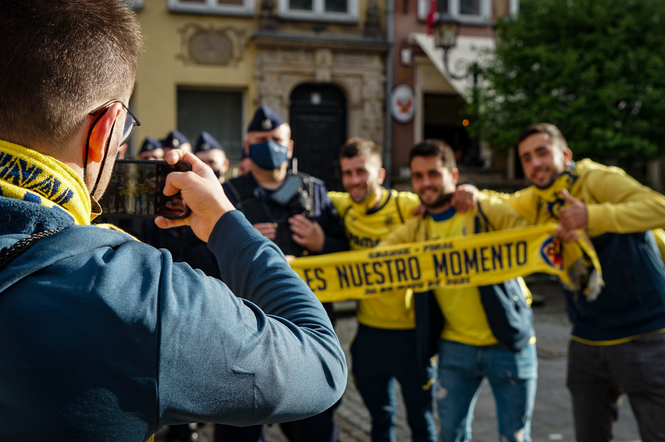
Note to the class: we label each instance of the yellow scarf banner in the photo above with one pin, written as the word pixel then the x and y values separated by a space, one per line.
pixel 582 269
pixel 31 176
pixel 482 259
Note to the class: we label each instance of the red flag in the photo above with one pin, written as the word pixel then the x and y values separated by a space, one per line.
pixel 431 17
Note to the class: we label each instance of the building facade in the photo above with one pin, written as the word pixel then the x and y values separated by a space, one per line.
pixel 438 98
pixel 208 64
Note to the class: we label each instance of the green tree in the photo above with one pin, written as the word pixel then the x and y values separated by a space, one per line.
pixel 595 68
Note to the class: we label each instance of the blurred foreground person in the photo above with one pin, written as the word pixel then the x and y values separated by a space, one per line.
pixel 103 337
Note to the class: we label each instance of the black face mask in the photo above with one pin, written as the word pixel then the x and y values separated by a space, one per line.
pixel 268 155
pixel 217 172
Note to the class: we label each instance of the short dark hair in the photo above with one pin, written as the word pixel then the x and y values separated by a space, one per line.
pixel 555 134
pixel 434 148
pixel 359 147
pixel 61 59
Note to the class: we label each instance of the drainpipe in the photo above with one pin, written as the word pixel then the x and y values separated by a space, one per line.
pixel 388 145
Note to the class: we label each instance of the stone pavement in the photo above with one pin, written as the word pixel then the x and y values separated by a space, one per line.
pixel 552 418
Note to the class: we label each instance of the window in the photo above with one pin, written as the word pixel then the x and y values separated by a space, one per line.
pixel 222 7
pixel 466 11
pixel 319 10
pixel 217 112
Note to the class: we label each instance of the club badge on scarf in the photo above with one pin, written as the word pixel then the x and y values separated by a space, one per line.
pixel 582 273
pixel 31 176
pixel 483 259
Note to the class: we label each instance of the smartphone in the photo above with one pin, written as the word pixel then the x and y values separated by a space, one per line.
pixel 136 190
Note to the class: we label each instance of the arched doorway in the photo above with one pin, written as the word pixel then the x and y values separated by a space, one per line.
pixel 318 124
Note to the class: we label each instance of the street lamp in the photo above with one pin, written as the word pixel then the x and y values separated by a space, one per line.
pixel 446 30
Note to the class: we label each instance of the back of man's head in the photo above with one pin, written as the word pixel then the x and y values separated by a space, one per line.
pixel 434 148
pixel 60 59
pixel 355 147
pixel 556 137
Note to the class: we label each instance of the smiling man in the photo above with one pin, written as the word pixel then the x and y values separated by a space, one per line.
pixel 487 331
pixel 384 350
pixel 618 339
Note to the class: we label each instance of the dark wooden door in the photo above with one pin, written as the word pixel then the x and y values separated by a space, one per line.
pixel 318 125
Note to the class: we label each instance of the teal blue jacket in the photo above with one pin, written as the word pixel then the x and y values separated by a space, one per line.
pixel 104 338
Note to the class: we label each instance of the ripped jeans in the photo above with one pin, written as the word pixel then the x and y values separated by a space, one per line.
pixel 512 376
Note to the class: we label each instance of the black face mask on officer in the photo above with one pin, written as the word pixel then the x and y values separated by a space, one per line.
pixel 268 155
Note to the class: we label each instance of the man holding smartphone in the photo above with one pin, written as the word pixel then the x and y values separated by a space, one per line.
pixel 103 337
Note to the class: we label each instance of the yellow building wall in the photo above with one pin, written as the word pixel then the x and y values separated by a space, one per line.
pixel 160 72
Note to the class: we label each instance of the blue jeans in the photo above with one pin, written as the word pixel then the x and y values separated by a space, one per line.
pixel 512 376
pixel 380 358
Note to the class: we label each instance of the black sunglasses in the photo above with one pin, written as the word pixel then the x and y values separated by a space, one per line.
pixel 130 121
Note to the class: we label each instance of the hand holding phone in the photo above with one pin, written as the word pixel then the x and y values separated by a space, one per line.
pixel 136 190
pixel 201 192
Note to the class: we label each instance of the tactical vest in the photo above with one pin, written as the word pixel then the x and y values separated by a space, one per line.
pixel 295 195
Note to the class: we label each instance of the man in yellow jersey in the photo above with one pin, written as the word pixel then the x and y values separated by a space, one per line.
pixel 384 349
pixel 488 331
pixel 617 344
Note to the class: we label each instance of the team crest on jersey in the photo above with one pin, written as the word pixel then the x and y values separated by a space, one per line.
pixel 389 221
pixel 551 252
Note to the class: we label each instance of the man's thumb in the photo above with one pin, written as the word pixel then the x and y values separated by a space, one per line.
pixel 568 197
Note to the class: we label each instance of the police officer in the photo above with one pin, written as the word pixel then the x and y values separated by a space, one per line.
pixel 293 210
pixel 208 149
pixel 151 149
pixel 175 140
pixel 277 201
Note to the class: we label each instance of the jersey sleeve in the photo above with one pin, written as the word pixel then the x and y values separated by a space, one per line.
pixel 622 204
pixel 401 235
pixel 498 213
pixel 524 202
pixel 340 200
pixel 407 202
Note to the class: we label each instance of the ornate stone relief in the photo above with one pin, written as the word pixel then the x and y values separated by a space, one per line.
pixel 360 75
pixel 212 46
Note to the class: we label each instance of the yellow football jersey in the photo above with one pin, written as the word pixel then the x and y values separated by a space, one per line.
pixel 465 318
pixel 365 228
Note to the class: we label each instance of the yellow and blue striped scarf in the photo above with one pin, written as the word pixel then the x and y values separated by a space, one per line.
pixel 28 175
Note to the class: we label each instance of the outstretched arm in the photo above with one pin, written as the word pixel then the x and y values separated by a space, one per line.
pixel 259 349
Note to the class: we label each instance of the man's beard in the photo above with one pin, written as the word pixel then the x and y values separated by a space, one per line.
pixel 367 193
pixel 553 178
pixel 441 200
